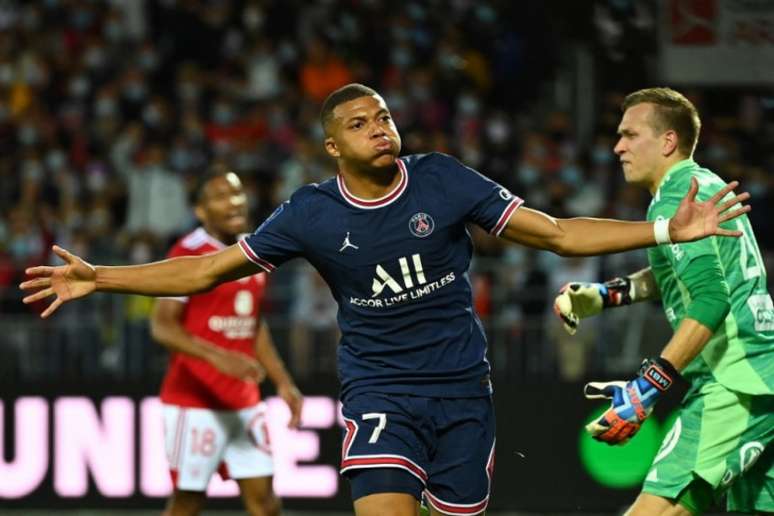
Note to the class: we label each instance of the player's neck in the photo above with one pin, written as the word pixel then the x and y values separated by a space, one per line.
pixel 223 238
pixel 658 177
pixel 371 183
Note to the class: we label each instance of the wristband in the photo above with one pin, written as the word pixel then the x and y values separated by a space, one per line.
pixel 618 292
pixel 661 231
pixel 661 373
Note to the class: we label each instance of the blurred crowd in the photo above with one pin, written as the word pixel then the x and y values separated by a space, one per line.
pixel 109 109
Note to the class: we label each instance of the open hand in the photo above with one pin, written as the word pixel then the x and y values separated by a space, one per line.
pixel 695 220
pixel 75 279
pixel 292 396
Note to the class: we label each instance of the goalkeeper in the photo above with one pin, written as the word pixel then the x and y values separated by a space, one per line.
pixel 714 294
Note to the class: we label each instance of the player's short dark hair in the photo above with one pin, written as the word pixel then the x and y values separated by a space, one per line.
pixel 672 111
pixel 196 194
pixel 344 94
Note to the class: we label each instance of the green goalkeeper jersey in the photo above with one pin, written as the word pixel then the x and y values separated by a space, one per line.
pixel 740 354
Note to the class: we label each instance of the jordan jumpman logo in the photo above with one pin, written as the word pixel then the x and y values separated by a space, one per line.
pixel 347 243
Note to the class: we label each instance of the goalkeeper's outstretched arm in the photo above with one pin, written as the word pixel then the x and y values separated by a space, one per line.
pixel 578 300
pixel 643 286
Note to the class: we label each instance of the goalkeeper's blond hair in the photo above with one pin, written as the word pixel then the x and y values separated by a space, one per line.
pixel 671 111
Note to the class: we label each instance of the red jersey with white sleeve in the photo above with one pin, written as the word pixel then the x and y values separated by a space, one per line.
pixel 226 316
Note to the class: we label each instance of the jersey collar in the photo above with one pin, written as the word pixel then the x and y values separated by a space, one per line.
pixel 686 163
pixel 370 204
pixel 200 235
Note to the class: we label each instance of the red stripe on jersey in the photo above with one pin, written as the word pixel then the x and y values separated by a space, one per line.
pixel 384 461
pixel 351 432
pixel 375 203
pixel 503 220
pixel 490 464
pixel 456 508
pixel 260 262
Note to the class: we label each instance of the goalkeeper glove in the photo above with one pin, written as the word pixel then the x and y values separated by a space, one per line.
pixel 577 301
pixel 632 402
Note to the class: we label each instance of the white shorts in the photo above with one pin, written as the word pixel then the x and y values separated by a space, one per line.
pixel 201 441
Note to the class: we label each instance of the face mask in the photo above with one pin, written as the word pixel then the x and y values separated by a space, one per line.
pixel 252 18
pixel 528 174
pixel 152 116
pixel 468 105
pixel 188 90
pixel 31 20
pixel 571 175
pixel 79 86
pixel 95 178
pixel 148 60
pixel 498 131
pixel 6 74
pixel 450 61
pixel 756 188
pixel 99 219
pixel 55 160
pixel 140 253
pixel 401 57
pixel 223 114
pixel 81 19
pixel 601 156
pixel 33 74
pixel 717 153
pixel 28 135
pixel 113 31
pixel 180 159
pixel 135 91
pixel 94 58
pixel 32 170
pixel 105 107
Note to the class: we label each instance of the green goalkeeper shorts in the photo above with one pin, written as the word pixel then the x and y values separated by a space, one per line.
pixel 725 438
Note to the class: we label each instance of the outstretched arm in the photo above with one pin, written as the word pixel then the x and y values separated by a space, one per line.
pixel 579 300
pixel 589 236
pixel 644 286
pixel 180 276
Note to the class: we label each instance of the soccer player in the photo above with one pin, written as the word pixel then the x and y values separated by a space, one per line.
pixel 714 295
pixel 220 347
pixel 388 236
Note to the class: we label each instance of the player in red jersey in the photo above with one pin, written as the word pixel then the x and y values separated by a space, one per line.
pixel 220 348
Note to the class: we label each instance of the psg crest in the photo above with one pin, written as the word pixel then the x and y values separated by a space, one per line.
pixel 421 225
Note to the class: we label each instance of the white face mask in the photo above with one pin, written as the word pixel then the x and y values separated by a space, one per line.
pixel 79 86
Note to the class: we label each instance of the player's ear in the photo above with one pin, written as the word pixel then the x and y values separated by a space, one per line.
pixel 331 148
pixel 201 215
pixel 670 142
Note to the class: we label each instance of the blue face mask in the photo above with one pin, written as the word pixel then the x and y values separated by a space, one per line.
pixel 28 135
pixel 223 115
pixel 601 156
pixel 528 174
pixel 55 160
pixel 105 107
pixel 135 91
pixel 180 159
pixel 756 188
pixel 401 57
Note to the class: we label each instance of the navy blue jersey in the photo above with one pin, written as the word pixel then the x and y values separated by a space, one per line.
pixel 398 268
